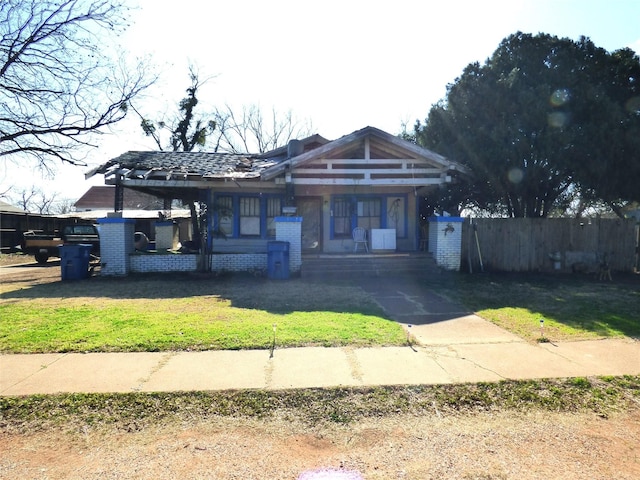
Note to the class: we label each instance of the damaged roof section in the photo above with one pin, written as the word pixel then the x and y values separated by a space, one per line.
pixel 183 166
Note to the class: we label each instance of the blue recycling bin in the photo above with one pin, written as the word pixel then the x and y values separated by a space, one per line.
pixel 278 260
pixel 74 261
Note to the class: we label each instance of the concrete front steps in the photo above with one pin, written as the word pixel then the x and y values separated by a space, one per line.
pixel 367 265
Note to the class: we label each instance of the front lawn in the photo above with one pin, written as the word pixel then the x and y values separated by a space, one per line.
pixel 188 313
pixel 573 307
pixel 191 312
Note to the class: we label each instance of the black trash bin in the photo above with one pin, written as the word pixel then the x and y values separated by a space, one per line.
pixel 278 260
pixel 74 261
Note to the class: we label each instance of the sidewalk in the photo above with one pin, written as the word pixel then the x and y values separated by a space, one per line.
pixel 451 346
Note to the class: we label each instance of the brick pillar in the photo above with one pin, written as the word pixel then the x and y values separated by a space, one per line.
pixel 445 241
pixel 116 244
pixel 167 235
pixel 289 229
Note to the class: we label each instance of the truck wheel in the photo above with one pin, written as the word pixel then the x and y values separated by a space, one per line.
pixel 42 257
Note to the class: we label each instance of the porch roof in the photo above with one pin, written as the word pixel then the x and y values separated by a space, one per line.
pixel 183 166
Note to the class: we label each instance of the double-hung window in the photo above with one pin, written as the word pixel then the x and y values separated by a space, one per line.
pixel 224 212
pixel 369 213
pixel 351 212
pixel 249 214
pixel 341 217
pixel 274 209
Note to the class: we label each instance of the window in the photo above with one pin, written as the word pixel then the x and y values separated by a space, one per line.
pixel 274 209
pixel 249 216
pixel 385 211
pixel 341 217
pixel 224 211
pixel 369 213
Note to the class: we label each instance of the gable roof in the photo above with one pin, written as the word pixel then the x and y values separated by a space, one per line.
pixel 8 208
pixel 368 143
pixel 376 153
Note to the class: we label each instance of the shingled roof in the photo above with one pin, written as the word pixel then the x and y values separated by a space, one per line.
pixel 184 165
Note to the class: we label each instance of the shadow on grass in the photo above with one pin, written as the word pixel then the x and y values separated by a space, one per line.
pixel 576 301
pixel 243 291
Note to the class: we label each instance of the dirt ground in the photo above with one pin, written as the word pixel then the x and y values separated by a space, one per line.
pixel 483 446
pixel 504 445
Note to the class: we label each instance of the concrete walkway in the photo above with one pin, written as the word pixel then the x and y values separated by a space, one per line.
pixel 451 345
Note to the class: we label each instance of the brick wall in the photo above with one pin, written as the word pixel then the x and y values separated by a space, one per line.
pixel 445 241
pixel 141 263
pixel 289 229
pixel 238 262
pixel 116 245
pixel 118 257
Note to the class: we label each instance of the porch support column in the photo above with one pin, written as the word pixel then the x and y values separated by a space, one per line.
pixel 118 203
pixel 445 241
pixel 116 244
pixel 289 229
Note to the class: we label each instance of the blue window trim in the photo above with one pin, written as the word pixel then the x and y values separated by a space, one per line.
pixel 385 201
pixel 235 205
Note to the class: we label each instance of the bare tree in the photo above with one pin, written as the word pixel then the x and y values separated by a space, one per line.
pixel 25 197
pixel 61 206
pixel 5 192
pixel 252 131
pixel 35 200
pixel 58 82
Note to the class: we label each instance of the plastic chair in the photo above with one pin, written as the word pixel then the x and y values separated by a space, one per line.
pixel 360 238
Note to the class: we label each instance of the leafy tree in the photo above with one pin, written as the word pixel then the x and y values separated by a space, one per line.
pixel 187 131
pixel 58 83
pixel 542 119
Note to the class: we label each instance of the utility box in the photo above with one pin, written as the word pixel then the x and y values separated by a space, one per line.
pixel 278 260
pixel 74 261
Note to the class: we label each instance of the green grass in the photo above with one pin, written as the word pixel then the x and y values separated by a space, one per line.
pixel 137 411
pixel 572 307
pixel 199 312
pixel 159 314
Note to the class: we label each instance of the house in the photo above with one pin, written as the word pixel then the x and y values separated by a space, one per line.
pixel 103 197
pixel 369 179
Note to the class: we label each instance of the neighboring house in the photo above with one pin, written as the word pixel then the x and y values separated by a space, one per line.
pixel 101 198
pixel 144 208
pixel 8 208
pixel 368 179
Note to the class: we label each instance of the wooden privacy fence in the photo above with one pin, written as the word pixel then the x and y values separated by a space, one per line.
pixel 12 225
pixel 532 244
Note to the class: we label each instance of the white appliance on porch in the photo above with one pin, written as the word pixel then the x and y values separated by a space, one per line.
pixel 383 239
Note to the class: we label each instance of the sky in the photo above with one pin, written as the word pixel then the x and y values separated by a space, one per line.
pixel 339 65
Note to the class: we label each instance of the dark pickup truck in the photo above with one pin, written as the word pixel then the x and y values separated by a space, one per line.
pixel 45 246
